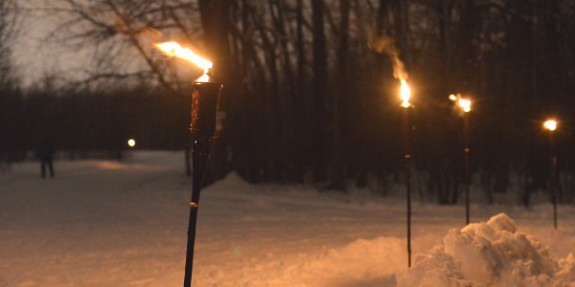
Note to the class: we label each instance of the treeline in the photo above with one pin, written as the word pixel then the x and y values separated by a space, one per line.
pixel 318 96
pixel 310 94
pixel 84 123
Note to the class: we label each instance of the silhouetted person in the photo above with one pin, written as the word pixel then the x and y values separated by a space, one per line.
pixel 46 154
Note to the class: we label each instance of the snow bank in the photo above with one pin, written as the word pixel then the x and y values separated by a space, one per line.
pixel 366 263
pixel 489 253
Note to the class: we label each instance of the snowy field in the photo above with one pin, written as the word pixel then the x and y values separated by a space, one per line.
pixel 107 223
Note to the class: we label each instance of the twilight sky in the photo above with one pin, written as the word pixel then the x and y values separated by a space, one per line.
pixel 35 55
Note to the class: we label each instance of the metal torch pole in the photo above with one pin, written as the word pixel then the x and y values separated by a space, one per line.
pixel 200 155
pixel 554 179
pixel 407 162
pixel 205 99
pixel 466 163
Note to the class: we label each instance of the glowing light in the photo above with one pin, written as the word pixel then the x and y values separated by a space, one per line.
pixel 550 125
pixel 174 49
pixel 204 77
pixel 465 105
pixel 131 143
pixel 405 94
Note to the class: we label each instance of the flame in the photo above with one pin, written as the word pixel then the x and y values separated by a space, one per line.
pixel 405 94
pixel 174 49
pixel 550 125
pixel 465 104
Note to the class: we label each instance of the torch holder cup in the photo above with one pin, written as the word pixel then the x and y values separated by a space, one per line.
pixel 205 102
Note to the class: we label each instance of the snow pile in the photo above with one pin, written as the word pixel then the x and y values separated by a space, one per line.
pixel 489 253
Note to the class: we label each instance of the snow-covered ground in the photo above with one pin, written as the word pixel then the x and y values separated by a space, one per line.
pixel 105 223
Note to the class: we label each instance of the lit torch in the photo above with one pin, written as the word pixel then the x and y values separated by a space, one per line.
pixel 551 126
pixel 205 101
pixel 465 107
pixel 405 95
pixel 386 45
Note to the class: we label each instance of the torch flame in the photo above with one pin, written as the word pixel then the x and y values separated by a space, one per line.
pixel 405 94
pixel 174 49
pixel 465 105
pixel 550 125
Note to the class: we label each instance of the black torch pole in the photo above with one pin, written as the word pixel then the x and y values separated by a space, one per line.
pixel 200 155
pixel 205 100
pixel 407 162
pixel 466 163
pixel 554 177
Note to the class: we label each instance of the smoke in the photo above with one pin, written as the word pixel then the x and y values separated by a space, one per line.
pixel 386 45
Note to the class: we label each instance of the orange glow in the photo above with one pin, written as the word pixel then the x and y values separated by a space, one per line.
pixel 405 94
pixel 550 125
pixel 174 49
pixel 465 105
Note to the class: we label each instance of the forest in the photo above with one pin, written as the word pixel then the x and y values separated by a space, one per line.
pixel 309 92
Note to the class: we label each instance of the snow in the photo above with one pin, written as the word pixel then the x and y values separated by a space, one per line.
pixel 107 223
pixel 489 253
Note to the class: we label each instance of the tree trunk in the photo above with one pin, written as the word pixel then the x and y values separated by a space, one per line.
pixel 320 78
pixel 215 24
pixel 337 176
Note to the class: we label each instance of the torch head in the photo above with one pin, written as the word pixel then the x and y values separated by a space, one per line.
pixel 205 103
pixel 550 125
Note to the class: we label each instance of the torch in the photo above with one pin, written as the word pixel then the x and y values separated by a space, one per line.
pixel 405 94
pixel 465 107
pixel 551 126
pixel 205 101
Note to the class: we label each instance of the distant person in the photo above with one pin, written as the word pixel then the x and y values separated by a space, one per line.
pixel 46 154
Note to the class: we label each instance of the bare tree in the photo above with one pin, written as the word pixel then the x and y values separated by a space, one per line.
pixel 9 27
pixel 320 80
pixel 120 34
pixel 297 73
pixel 10 103
pixel 337 176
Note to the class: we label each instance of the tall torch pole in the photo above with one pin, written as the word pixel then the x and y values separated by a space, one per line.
pixel 551 125
pixel 465 106
pixel 405 94
pixel 466 163
pixel 205 101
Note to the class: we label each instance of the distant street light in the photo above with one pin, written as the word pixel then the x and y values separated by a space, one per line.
pixel 131 143
pixel 465 106
pixel 405 95
pixel 551 126
pixel 205 102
